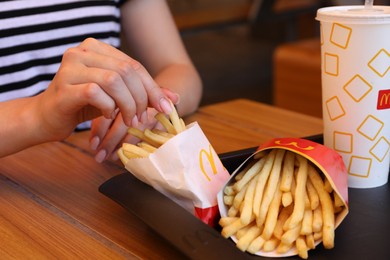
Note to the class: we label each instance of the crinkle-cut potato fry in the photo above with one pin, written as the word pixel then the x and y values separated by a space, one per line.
pixel 258 193
pixel 151 140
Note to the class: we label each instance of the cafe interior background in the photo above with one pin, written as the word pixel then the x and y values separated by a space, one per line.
pixel 264 50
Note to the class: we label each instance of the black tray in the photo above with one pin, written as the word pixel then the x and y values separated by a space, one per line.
pixel 363 234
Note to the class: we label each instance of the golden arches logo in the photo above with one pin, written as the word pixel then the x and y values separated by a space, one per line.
pixel 295 144
pixel 210 158
pixel 383 99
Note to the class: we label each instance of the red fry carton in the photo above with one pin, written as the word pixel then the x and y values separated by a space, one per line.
pixel 328 161
pixel 187 170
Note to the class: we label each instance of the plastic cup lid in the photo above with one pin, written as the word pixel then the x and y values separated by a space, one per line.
pixel 356 14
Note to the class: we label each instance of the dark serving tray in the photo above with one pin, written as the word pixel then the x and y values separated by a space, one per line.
pixel 364 234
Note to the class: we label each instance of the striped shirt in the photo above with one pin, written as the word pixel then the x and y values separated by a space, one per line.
pixel 35 33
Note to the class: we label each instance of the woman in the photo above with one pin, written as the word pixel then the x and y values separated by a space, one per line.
pixel 60 66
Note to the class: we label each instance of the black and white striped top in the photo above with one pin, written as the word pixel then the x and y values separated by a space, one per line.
pixel 35 33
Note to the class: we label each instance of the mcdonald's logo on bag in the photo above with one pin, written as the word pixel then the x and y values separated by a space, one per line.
pixel 383 99
pixel 210 159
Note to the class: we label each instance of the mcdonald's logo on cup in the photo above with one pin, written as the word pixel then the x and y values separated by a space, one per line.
pixel 383 99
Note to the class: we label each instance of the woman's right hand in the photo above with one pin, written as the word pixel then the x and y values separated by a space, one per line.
pixel 96 79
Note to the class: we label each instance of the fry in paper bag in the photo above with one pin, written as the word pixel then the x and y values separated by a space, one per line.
pixel 180 163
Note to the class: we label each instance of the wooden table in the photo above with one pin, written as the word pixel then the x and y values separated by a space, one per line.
pixel 50 206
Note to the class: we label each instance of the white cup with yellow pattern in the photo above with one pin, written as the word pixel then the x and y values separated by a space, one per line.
pixel 355 54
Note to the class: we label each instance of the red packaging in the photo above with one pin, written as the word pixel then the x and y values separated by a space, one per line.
pixel 328 161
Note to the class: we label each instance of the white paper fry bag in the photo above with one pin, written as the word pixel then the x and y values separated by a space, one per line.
pixel 187 170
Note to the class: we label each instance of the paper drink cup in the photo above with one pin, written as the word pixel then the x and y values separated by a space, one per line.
pixel 355 53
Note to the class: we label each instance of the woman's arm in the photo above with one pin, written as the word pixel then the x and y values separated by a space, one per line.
pixel 153 39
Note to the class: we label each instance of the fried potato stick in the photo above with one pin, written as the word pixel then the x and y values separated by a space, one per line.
pixel 247 209
pixel 244 242
pixel 162 133
pixel 122 156
pixel 302 247
pixel 140 135
pixel 310 241
pixel 287 172
pixel 262 180
pixel 283 216
pixel 147 147
pixel 317 220
pixel 283 248
pixel 157 138
pixel 229 190
pixel 228 200
pixel 161 117
pixel 300 190
pixel 307 222
pixel 287 199
pixel 271 244
pixel 312 193
pixel 327 208
pixel 240 197
pixel 291 235
pixel 271 186
pixel 133 151
pixel 175 119
pixel 250 173
pixel 231 229
pixel 224 221
pixel 256 245
pixel 272 214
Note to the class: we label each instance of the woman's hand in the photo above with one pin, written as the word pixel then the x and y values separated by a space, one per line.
pixel 96 79
pixel 107 135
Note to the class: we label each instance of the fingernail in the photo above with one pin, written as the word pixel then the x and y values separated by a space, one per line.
pixel 144 117
pixel 100 156
pixel 134 121
pixel 178 99
pixel 165 106
pixel 94 143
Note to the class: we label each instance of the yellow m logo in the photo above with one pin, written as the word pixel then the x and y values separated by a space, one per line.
pixel 210 158
pixel 384 102
pixel 295 144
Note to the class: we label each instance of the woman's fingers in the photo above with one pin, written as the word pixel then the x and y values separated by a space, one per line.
pixel 113 72
pixel 155 94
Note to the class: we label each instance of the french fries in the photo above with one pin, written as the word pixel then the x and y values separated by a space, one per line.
pixel 150 140
pixel 279 202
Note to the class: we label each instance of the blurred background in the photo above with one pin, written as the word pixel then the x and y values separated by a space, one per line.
pixel 265 50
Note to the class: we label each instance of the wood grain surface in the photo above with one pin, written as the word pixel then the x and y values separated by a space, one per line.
pixel 50 206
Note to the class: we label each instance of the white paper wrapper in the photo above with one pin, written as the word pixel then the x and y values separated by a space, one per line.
pixel 187 170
